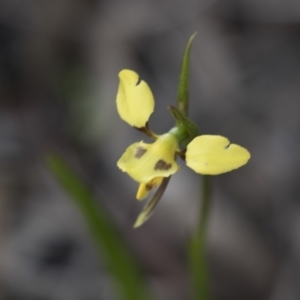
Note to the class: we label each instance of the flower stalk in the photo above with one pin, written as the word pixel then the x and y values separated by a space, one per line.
pixel 198 258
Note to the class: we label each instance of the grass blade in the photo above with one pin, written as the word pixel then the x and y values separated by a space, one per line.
pixel 108 240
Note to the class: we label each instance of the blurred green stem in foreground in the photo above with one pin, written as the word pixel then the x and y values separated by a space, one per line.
pixel 121 265
pixel 198 263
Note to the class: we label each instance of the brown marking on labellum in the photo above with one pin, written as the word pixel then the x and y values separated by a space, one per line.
pixel 140 151
pixel 149 186
pixel 162 165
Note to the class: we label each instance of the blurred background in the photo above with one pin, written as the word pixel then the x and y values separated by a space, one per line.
pixel 59 64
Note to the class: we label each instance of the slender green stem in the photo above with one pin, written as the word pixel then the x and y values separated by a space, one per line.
pixel 205 207
pixel 200 274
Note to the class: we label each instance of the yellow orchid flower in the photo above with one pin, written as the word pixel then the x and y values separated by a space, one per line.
pixel 150 164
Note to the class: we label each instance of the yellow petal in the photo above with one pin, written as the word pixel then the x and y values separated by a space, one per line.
pixel 145 188
pixel 135 102
pixel 143 162
pixel 213 154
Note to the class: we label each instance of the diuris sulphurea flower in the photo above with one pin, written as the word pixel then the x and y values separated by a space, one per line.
pixel 151 164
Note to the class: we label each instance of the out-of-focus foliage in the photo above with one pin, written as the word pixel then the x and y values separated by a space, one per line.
pixel 108 240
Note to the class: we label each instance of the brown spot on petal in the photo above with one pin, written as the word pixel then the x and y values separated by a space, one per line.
pixel 149 186
pixel 162 165
pixel 140 151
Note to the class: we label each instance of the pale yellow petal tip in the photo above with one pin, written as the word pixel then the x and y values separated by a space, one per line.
pixel 145 188
pixel 214 155
pixel 142 218
pixel 141 194
pixel 135 101
pixel 247 155
pixel 128 76
pixel 126 71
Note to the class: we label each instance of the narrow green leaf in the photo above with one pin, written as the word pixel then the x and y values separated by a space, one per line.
pixel 183 89
pixel 108 240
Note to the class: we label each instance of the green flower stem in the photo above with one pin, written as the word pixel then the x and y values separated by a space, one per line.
pixel 198 262
pixel 179 132
pixel 186 130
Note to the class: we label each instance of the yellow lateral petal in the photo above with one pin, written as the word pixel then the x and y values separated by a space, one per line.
pixel 135 102
pixel 213 154
pixel 145 188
